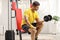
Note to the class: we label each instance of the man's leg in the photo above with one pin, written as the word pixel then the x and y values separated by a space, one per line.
pixel 33 32
pixel 39 28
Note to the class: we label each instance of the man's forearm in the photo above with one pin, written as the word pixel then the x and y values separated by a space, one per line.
pixel 28 23
pixel 39 21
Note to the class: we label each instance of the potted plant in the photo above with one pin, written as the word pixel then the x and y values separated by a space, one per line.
pixel 56 19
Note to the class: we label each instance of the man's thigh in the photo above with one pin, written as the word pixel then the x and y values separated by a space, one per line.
pixel 26 28
pixel 31 30
pixel 39 26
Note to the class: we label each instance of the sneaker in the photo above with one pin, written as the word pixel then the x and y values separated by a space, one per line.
pixel 36 38
pixel 17 31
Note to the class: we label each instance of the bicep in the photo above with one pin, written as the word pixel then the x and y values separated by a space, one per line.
pixel 36 16
pixel 25 18
pixel 37 20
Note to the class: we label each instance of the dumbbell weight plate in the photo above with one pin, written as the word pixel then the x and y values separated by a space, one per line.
pixel 46 18
pixel 50 17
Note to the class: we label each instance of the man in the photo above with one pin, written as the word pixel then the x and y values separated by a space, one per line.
pixel 31 15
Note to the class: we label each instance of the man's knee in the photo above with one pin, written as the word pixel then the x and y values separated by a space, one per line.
pixel 39 26
pixel 33 31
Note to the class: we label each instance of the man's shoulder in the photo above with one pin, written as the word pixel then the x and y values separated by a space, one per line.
pixel 36 12
pixel 28 9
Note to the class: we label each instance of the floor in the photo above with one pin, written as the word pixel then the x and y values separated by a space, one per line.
pixel 40 37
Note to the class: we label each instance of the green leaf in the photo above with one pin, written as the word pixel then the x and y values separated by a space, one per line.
pixel 56 18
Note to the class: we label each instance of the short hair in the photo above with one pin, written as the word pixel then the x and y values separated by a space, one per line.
pixel 35 3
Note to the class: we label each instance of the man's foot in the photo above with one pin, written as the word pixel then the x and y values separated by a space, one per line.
pixel 36 38
pixel 17 31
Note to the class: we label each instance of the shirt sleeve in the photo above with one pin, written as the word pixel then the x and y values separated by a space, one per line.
pixel 26 13
pixel 36 15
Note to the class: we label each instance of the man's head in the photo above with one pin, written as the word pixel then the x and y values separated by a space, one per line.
pixel 35 6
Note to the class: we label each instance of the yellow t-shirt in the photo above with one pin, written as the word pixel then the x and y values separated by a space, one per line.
pixel 31 16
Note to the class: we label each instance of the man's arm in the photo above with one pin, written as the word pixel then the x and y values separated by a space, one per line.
pixel 39 21
pixel 28 23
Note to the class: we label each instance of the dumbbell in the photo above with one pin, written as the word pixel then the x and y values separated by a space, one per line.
pixel 47 18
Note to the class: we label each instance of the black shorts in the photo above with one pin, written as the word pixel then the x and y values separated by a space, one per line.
pixel 25 27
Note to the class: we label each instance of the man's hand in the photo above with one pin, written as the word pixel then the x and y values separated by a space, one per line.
pixel 40 22
pixel 31 26
pixel 34 27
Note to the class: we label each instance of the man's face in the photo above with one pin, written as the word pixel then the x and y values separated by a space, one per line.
pixel 35 8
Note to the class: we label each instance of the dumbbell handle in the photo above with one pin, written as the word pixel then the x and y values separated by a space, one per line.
pixel 39 23
pixel 43 21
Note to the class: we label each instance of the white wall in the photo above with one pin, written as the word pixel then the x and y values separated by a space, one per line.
pixel 46 7
pixel 0 16
pixel 58 14
pixel 4 14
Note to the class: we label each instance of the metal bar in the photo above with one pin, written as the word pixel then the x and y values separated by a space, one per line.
pixel 30 1
pixel 20 34
pixel 17 3
pixel 8 14
pixel 11 19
